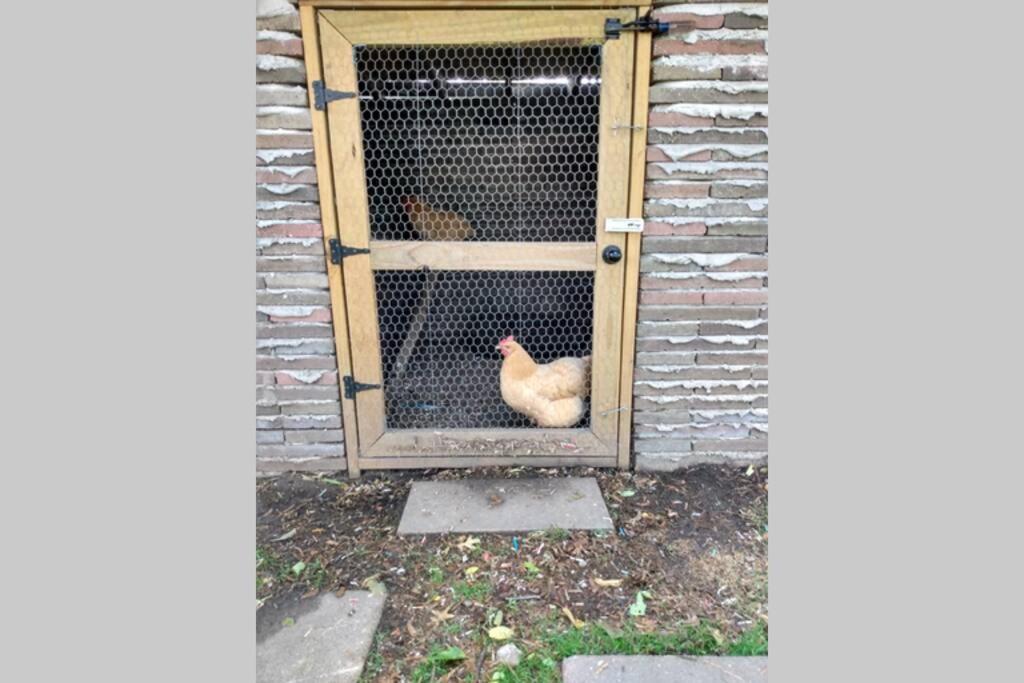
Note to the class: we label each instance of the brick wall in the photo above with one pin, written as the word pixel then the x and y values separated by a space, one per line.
pixel 701 367
pixel 298 410
pixel 700 389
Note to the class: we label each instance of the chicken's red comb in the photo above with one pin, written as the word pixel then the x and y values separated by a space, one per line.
pixel 509 338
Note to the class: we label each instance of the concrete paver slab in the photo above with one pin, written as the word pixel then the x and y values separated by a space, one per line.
pixel 504 505
pixel 327 643
pixel 664 669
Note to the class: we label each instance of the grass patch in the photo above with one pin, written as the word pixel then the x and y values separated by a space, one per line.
pixel 752 643
pixel 541 665
pixel 271 567
pixel 315 574
pixel 437 663
pixel 436 575
pixel 269 563
pixel 757 516
pixel 701 639
pixel 374 660
pixel 478 591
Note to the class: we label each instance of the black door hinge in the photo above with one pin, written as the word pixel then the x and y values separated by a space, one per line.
pixel 339 251
pixel 352 386
pixel 322 95
pixel 614 27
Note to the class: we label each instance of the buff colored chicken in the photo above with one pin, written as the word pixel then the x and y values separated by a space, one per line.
pixel 435 225
pixel 550 394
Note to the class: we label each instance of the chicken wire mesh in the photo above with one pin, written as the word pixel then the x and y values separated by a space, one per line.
pixel 439 329
pixel 477 143
pixel 495 142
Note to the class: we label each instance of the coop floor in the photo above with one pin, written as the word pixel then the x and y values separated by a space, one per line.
pixel 696 541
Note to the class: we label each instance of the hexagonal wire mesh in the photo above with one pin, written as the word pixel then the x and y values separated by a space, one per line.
pixel 479 143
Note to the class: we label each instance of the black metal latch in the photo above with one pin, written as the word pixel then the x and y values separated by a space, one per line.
pixel 352 386
pixel 340 251
pixel 614 27
pixel 322 95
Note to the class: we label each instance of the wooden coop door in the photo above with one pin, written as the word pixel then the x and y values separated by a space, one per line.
pixel 474 157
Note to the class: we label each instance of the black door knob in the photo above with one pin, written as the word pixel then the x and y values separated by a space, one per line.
pixel 611 254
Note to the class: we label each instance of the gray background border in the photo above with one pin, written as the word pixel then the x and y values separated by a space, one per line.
pixel 128 514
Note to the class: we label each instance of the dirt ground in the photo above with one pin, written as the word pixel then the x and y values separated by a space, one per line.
pixel 695 541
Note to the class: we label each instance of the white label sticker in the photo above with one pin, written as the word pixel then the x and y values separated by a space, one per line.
pixel 624 225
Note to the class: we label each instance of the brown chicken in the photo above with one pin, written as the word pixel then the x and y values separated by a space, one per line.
pixel 550 394
pixel 434 225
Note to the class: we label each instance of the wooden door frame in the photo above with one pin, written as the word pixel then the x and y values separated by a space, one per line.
pixel 619 454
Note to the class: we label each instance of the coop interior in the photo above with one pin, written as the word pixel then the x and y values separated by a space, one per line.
pixel 477 143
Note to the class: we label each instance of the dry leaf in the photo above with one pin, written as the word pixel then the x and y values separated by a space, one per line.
pixel 374 586
pixel 572 619
pixel 608 583
pixel 469 543
pixel 500 633
pixel 284 536
pixel 439 616
pixel 639 606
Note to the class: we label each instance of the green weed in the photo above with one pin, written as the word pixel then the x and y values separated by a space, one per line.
pixel 437 663
pixel 541 665
pixel 476 591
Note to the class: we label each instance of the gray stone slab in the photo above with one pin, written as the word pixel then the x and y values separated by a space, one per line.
pixel 504 505
pixel 664 669
pixel 327 643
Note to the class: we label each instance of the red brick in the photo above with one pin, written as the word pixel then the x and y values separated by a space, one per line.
pixel 699 156
pixel 291 47
pixel 753 264
pixel 671 297
pixel 755 121
pixel 289 211
pixel 298 140
pixel 756 296
pixel 656 171
pixel 745 73
pixel 695 283
pixel 665 118
pixel 656 154
pixel 696 20
pixel 673 190
pixel 649 283
pixel 743 21
pixel 655 228
pixel 285 379
pixel 307 363
pixel 320 315
pixel 715 47
pixel 291 230
pixel 304 177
